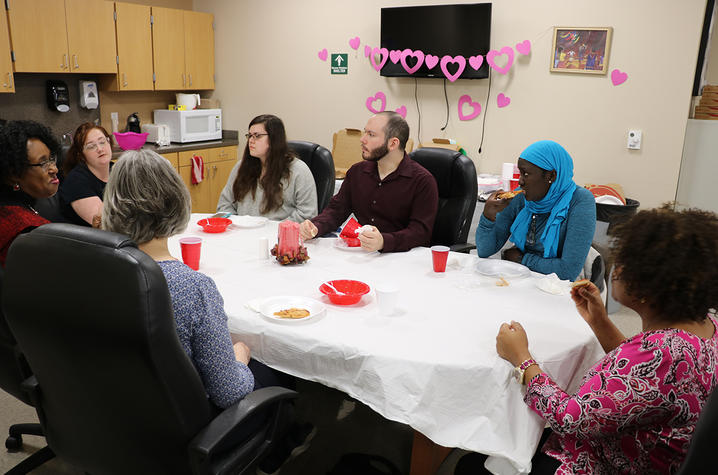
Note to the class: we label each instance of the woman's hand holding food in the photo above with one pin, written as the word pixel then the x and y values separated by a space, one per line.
pixel 512 344
pixel 588 302
pixel 494 205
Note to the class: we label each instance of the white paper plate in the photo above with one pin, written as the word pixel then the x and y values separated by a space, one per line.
pixel 340 244
pixel 501 268
pixel 275 304
pixel 249 221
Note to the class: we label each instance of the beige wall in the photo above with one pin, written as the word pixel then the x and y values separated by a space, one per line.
pixel 266 62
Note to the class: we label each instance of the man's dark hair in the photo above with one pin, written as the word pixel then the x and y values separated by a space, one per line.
pixel 397 127
pixel 669 259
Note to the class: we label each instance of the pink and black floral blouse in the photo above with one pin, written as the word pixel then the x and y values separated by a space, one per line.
pixel 636 409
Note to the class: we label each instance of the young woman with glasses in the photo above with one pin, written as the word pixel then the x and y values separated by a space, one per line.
pixel 87 169
pixel 551 223
pixel 269 181
pixel 28 172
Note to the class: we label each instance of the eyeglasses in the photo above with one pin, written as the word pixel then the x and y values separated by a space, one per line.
pixel 254 136
pixel 92 146
pixel 46 164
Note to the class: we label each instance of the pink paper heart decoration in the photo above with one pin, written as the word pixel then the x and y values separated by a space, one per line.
pixel 379 96
pixel 618 77
pixel 354 42
pixel 502 101
pixel 476 61
pixel 466 99
pixel 506 50
pixel 456 59
pixel 524 47
pixel 431 61
pixel 418 54
pixel 367 50
pixel 383 54
pixel 323 54
pixel 401 111
pixel 394 55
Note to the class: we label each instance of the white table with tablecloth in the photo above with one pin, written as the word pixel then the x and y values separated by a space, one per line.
pixel 433 364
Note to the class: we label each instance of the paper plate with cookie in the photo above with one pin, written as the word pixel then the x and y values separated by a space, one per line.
pixel 288 309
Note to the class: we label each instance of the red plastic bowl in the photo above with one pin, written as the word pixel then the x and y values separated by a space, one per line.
pixel 130 140
pixel 352 291
pixel 214 225
pixel 352 242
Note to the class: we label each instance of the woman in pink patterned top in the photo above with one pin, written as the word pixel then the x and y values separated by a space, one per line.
pixel 637 408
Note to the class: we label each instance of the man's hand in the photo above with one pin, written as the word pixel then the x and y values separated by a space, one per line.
pixel 494 205
pixel 371 240
pixel 307 230
pixel 241 352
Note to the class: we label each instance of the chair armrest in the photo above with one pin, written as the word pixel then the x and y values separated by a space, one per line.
pixel 462 247
pixel 204 445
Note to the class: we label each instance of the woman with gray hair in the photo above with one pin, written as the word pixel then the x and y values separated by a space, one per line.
pixel 146 199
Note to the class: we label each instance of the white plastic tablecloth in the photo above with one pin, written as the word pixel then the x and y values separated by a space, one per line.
pixel 433 364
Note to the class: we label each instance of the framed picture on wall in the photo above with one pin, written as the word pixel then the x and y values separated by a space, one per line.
pixel 580 50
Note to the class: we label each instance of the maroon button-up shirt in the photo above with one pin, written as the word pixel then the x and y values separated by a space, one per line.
pixel 402 206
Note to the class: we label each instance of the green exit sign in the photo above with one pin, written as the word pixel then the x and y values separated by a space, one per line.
pixel 339 63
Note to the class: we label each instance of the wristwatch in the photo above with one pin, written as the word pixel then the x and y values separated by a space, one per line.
pixel 520 370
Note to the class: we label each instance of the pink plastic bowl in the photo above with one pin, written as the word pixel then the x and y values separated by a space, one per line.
pixel 353 291
pixel 130 140
pixel 214 225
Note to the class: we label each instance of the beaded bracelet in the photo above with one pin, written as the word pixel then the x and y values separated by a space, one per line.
pixel 524 366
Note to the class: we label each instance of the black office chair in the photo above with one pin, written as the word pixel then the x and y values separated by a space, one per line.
pixel 455 176
pixel 700 456
pixel 13 371
pixel 114 391
pixel 321 163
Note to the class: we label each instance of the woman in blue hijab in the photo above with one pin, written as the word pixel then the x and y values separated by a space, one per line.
pixel 551 224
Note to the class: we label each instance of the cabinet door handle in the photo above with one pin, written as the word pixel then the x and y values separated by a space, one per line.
pixel 9 80
pixel 64 61
pixel 190 80
pixel 124 80
pixel 183 81
pixel 214 171
pixel 74 58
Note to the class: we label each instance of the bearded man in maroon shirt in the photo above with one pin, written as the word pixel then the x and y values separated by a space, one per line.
pixel 388 191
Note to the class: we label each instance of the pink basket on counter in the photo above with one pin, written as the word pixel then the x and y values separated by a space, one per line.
pixel 130 140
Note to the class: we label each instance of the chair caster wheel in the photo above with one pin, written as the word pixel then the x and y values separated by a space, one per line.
pixel 13 443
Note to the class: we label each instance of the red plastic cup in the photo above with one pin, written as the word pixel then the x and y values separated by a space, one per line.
pixel 439 255
pixel 191 247
pixel 514 184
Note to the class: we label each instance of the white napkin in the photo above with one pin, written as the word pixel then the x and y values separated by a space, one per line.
pixel 553 285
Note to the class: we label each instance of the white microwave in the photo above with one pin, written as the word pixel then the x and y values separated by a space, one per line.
pixel 191 126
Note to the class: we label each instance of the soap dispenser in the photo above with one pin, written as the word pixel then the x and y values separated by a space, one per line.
pixel 58 97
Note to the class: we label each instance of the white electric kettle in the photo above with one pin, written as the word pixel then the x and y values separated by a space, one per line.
pixel 189 100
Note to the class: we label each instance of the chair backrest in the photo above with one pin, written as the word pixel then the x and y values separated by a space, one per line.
pixel 116 392
pixel 455 176
pixel 13 367
pixel 704 441
pixel 320 162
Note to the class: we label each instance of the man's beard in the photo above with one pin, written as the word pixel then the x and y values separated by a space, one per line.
pixel 377 153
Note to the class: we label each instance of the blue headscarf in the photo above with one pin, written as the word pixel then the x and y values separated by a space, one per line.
pixel 548 155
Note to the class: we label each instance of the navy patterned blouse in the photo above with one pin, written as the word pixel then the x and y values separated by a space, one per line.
pixel 202 329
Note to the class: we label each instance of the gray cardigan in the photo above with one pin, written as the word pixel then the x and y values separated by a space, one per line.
pixel 299 196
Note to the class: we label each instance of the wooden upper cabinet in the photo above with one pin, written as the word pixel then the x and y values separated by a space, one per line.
pixel 168 46
pixel 199 49
pixel 91 36
pixel 7 82
pixel 39 36
pixel 134 48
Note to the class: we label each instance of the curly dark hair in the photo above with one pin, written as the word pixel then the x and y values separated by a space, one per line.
pixel 669 259
pixel 13 146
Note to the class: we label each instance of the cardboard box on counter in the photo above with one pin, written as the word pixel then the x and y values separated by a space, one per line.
pixel 209 103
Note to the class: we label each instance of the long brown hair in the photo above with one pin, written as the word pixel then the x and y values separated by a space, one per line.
pixel 277 163
pixel 74 154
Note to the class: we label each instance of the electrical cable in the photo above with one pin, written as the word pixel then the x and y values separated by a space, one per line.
pixel 447 107
pixel 416 98
pixel 486 109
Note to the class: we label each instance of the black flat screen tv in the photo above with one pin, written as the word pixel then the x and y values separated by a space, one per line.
pixel 438 30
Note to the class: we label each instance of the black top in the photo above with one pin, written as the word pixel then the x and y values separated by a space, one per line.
pixel 80 183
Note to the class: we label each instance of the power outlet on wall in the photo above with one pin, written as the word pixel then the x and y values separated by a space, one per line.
pixel 634 139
